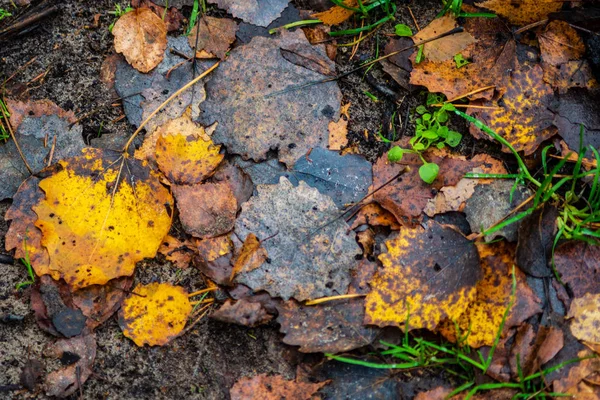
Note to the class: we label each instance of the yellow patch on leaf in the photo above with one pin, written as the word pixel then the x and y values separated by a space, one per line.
pixel 187 159
pixel 522 12
pixel 428 274
pixel 336 14
pixel 101 214
pixel 585 312
pixel 523 119
pixel 141 36
pixel 445 48
pixel 154 314
pixel 484 315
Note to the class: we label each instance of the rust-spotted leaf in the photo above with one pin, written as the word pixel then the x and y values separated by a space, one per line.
pixel 484 315
pixel 430 273
pixel 154 314
pixel 141 36
pixel 102 213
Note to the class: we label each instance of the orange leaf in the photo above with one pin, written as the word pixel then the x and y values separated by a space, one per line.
pixel 336 14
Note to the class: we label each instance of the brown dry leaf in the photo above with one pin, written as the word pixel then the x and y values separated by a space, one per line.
pixel 206 210
pixel 20 110
pixel 66 380
pixel 576 262
pixel 366 239
pixel 407 196
pixel 536 241
pixel 215 36
pixel 333 327
pixel 251 256
pixel 573 383
pixel 92 216
pixel 238 181
pixel 252 123
pixel 242 312
pixel 154 314
pixel 339 130
pixel 23 235
pixel 374 215
pixel 214 258
pixel 141 36
pixel 428 272
pixel 445 48
pixel 585 312
pixel 491 57
pixel 522 12
pixel 336 14
pixel 179 252
pixel 529 345
pixel 172 16
pixel 453 198
pixel 187 158
pixel 307 257
pixel 484 315
pixel 264 387
pixel 524 119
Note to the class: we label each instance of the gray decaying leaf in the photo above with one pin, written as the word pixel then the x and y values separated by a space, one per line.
pixel 536 236
pixel 251 124
pixel 576 108
pixel 490 203
pixel 256 12
pixel 65 381
pixel 142 93
pixel 307 257
pixel 31 134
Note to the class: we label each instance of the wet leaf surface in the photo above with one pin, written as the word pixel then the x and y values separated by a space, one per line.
pixel 141 36
pixel 255 12
pixel 536 237
pixel 431 271
pixel 306 259
pixel 242 312
pixel 585 312
pixel 215 36
pixel 576 262
pixel 154 314
pixel 214 259
pixel 91 215
pixel 579 107
pixel 253 71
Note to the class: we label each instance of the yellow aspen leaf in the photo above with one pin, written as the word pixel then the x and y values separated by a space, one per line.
pixel 445 48
pixel 251 256
pixel 187 159
pixel 141 36
pixel 484 315
pixel 523 117
pixel 585 312
pixel 102 213
pixel 429 274
pixel 522 12
pixel 336 14
pixel 154 314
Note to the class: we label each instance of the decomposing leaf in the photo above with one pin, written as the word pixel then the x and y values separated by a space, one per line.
pixel 23 235
pixel 536 239
pixel 276 387
pixel 575 108
pixel 179 252
pixel 92 216
pixel 522 12
pixel 309 57
pixel 251 256
pixel 523 119
pixel 407 196
pixel 307 257
pixel 332 327
pixel 31 373
pixel 206 210
pixel 366 239
pixel 534 347
pixel 374 215
pixel 215 35
pixel 430 273
pixel 339 130
pixel 560 43
pixel 484 314
pixel 255 12
pixel 242 312
pixel 336 14
pixel 576 262
pixel 574 382
pixel 491 203
pixel 154 314
pixel 453 198
pixel 187 158
pixel 169 13
pixel 491 58
pixel 214 259
pixel 66 380
pixel 445 48
pixel 45 134
pixel 238 181
pixel 251 124
pixel 585 312
pixel 141 36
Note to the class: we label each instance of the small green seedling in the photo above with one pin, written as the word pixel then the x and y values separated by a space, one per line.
pixel 431 130
pixel 198 9
pixel 363 11
pixel 4 14
pixel 460 61
pixel 403 30
pixel 27 264
pixel 117 13
pixel 371 96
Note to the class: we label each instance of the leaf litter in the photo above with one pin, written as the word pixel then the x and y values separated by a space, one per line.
pixel 256 200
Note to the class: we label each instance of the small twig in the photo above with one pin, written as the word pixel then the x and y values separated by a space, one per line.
pixel 21 68
pixel 14 138
pixel 203 291
pixel 472 92
pixel 332 298
pixel 51 156
pixel 530 26
pixel 414 19
pixel 27 21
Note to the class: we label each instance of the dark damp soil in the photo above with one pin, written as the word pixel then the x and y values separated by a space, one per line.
pixel 60 60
